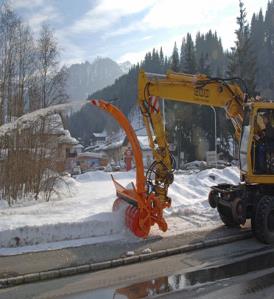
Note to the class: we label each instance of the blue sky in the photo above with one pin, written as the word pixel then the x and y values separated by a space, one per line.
pixel 127 29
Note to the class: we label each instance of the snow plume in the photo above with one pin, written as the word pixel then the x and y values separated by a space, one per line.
pixel 28 119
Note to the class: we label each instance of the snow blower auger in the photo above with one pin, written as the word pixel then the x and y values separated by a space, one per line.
pixel 144 208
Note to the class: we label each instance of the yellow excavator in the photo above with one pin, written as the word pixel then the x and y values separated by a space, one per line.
pixel 252 120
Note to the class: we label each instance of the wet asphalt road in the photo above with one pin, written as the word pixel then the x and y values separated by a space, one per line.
pixel 259 284
pixel 241 269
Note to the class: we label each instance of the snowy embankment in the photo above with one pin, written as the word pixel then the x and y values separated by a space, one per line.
pixel 83 211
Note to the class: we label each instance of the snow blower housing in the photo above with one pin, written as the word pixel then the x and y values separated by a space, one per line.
pixel 144 208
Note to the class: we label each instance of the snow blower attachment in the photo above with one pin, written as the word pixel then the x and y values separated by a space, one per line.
pixel 144 208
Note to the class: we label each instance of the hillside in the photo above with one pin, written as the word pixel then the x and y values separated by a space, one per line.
pixel 86 78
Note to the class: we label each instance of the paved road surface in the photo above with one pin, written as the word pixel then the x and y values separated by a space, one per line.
pixel 55 259
pixel 230 269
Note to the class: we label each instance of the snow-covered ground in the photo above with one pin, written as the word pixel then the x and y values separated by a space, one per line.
pixel 81 214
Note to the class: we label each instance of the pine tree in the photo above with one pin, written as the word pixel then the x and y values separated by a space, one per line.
pixel 209 51
pixel 182 54
pixel 189 61
pixel 175 59
pixel 242 61
pixel 257 36
pixel 162 60
pixel 203 66
pixel 269 49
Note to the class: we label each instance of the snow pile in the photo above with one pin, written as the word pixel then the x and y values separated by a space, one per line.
pixel 84 209
pixel 189 195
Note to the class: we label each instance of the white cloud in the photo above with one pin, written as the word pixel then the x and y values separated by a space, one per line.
pixel 45 15
pixel 37 12
pixel 177 13
pixel 27 4
pixel 124 30
pixel 72 53
pixel 137 56
pixel 172 14
pixel 147 37
pixel 133 57
pixel 254 6
pixel 107 13
pixel 166 18
pixel 220 16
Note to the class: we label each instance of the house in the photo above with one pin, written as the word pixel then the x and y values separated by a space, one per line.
pixel 91 161
pixel 115 148
pixel 115 145
pixel 41 129
pixel 99 138
pixel 78 148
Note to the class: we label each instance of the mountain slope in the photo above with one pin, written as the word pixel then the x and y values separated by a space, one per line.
pixel 86 78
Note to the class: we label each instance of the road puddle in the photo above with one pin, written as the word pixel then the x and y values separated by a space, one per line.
pixel 181 281
pixel 167 284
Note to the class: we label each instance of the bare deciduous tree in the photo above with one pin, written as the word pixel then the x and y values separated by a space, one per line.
pixel 25 67
pixel 51 79
pixel 8 29
pixel 30 79
pixel 30 161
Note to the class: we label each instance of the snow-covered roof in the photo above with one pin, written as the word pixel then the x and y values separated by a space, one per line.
pixel 79 145
pixel 27 120
pixel 92 155
pixel 89 148
pixel 101 134
pixel 109 145
pixel 53 123
pixel 144 142
pixel 67 139
pixel 114 145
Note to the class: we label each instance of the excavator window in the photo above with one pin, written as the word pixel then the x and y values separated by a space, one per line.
pixel 244 140
pixel 263 142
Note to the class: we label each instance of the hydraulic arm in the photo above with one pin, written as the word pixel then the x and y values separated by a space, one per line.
pixel 194 89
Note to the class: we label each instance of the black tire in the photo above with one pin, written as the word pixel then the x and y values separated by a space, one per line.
pixel 227 220
pixel 264 220
pixel 253 223
pixel 211 199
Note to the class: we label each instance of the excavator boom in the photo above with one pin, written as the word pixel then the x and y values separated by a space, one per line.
pixel 252 198
pixel 193 89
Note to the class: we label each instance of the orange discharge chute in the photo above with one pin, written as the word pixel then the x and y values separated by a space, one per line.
pixel 144 210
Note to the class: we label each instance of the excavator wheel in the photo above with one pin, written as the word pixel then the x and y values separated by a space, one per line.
pixel 264 220
pixel 227 219
pixel 238 211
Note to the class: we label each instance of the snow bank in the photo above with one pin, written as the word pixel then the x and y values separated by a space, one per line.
pixel 84 209
pixel 189 198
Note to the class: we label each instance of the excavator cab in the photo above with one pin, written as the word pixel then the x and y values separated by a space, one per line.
pixel 257 144
pixel 253 198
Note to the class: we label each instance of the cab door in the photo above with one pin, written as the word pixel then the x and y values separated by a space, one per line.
pixel 245 141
